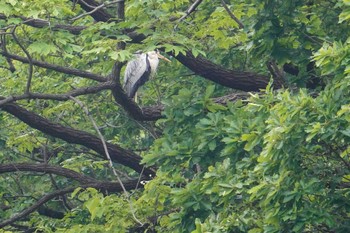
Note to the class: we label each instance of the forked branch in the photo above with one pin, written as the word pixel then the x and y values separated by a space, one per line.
pixel 105 186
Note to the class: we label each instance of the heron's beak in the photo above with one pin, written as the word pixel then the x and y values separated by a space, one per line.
pixel 162 57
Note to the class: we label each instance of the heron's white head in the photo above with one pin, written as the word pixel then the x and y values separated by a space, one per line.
pixel 153 58
pixel 154 55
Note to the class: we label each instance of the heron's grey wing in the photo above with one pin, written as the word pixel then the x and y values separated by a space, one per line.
pixel 134 72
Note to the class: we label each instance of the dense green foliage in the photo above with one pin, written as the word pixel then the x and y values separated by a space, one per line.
pixel 278 161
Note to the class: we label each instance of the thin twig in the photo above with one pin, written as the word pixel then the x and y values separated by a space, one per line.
pixel 277 74
pixel 190 9
pixel 3 46
pixel 107 155
pixel 30 60
pixel 95 9
pixel 86 4
pixel 232 15
pixel 139 180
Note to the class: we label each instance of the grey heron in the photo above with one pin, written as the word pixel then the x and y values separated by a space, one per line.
pixel 139 70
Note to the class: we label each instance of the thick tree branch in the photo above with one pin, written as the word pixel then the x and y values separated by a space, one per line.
pixel 41 23
pixel 144 114
pixel 118 154
pixel 245 81
pixel 95 8
pixel 277 74
pixel 61 69
pixel 105 186
pixel 46 168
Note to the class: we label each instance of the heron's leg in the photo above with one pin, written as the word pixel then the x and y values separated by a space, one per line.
pixel 156 87
pixel 135 97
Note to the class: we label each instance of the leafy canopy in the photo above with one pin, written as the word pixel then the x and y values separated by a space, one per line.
pixel 278 161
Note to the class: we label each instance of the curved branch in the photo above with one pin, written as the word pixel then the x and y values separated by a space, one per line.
pixel 105 186
pixel 277 74
pixel 29 58
pixel 144 114
pixel 40 23
pixel 118 154
pixel 29 167
pixel 245 81
pixel 61 69
pixel 39 203
pixel 59 97
pixel 240 24
pixel 95 9
pixel 99 15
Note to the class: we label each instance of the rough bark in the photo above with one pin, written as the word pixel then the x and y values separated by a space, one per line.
pixel 61 69
pixel 118 154
pixel 245 81
pixel 46 168
pixel 140 114
pixel 99 15
pixel 41 23
pixel 104 186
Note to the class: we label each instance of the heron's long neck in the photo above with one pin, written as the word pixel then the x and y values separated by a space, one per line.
pixel 154 64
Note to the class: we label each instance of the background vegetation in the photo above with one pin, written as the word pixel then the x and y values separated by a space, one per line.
pixel 247 130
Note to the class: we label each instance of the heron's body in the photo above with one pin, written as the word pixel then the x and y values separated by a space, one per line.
pixel 140 70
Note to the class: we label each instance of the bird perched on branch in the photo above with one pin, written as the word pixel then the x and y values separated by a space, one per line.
pixel 139 70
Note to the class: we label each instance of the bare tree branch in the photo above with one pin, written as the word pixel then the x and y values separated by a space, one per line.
pixel 231 98
pixel 192 8
pixel 82 1
pixel 240 24
pixel 95 9
pixel 30 60
pixel 46 168
pixel 246 81
pixel 61 69
pixel 40 23
pixel 240 80
pixel 39 203
pixel 132 210
pixel 59 97
pixel 3 47
pixel 118 154
pixel 99 15
pixel 277 74
pixel 106 186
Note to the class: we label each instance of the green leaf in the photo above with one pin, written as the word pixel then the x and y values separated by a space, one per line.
pixel 92 205
pixel 5 9
pixel 75 192
pixel 42 48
